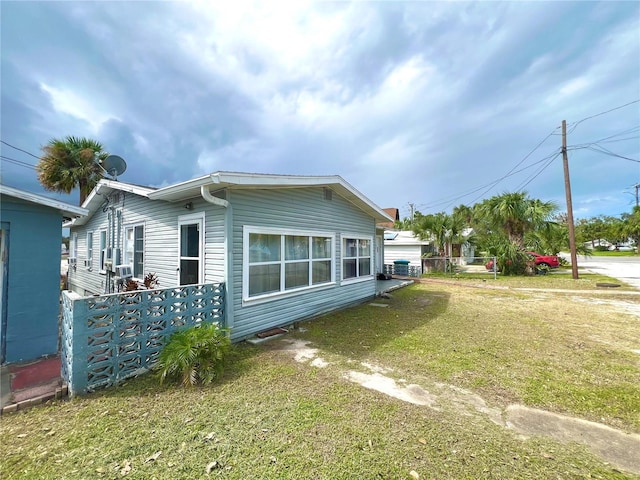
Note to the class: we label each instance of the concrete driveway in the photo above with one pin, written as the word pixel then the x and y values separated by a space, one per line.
pixel 625 269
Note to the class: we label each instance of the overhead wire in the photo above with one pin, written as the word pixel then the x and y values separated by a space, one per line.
pixel 17 162
pixel 621 139
pixel 610 138
pixel 575 124
pixel 19 149
pixel 453 199
pixel 548 159
pixel 516 166
pixel 610 153
pixel 521 187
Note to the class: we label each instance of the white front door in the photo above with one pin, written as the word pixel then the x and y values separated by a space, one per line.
pixel 191 249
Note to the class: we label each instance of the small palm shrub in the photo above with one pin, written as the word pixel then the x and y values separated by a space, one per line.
pixel 195 355
pixel 511 259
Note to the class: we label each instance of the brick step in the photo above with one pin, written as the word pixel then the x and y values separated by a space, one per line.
pixel 33 374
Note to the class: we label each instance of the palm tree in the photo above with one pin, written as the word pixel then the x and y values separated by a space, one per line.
pixel 632 225
pixel 69 163
pixel 434 227
pixel 515 214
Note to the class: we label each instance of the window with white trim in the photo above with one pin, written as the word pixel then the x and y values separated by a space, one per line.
pixel 356 257
pixel 103 249
pixel 89 249
pixel 74 245
pixel 134 249
pixel 279 262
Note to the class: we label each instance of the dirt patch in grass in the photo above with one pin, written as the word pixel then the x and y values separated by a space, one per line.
pixel 620 448
pixel 543 350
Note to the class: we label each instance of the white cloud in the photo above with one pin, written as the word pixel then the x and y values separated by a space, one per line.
pixel 459 90
pixel 71 103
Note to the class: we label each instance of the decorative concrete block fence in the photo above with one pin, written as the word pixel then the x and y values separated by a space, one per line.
pixel 109 338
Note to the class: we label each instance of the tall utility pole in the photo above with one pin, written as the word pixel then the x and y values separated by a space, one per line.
pixel 636 186
pixel 412 207
pixel 567 189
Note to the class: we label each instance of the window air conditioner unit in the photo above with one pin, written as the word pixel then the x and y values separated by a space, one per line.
pixel 87 263
pixel 123 271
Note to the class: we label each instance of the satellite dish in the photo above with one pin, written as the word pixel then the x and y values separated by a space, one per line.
pixel 114 165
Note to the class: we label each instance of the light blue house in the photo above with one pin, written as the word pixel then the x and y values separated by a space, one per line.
pixel 287 247
pixel 30 273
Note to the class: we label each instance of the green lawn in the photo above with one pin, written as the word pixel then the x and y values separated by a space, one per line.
pixel 556 279
pixel 614 254
pixel 272 417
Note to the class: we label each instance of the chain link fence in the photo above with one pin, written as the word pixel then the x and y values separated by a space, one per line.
pixel 448 266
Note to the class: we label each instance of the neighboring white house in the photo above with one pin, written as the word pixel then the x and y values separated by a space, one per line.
pixel 404 245
pixel 286 247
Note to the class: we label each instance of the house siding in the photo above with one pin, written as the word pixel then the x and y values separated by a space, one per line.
pixel 160 220
pixel 283 208
pixel 33 287
pixel 296 209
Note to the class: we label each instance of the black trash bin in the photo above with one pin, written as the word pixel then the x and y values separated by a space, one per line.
pixel 401 267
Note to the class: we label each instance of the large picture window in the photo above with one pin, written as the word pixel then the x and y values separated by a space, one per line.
pixel 134 249
pixel 356 257
pixel 278 262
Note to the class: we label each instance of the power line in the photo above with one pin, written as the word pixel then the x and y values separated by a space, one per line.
pixel 16 148
pixel 574 125
pixel 544 167
pixel 17 162
pixel 454 198
pixel 516 166
pixel 611 154
pixel 621 139
pixel 610 138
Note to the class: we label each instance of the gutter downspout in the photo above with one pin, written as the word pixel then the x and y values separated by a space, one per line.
pixel 228 250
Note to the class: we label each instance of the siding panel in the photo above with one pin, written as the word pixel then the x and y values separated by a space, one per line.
pixel 160 221
pixel 296 209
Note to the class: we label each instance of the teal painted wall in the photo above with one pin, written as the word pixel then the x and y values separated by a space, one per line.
pixel 33 291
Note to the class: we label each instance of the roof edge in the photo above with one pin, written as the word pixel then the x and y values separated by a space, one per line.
pixel 66 209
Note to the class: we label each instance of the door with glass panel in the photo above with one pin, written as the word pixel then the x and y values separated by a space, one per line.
pixel 191 247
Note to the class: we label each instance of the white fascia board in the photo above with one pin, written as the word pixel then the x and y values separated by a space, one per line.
pixel 182 190
pixel 114 185
pixel 125 187
pixel 361 200
pixel 265 180
pixel 105 187
pixel 64 208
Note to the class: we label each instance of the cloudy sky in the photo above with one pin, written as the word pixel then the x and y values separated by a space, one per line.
pixel 424 103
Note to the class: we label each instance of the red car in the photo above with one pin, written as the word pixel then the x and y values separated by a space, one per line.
pixel 549 261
